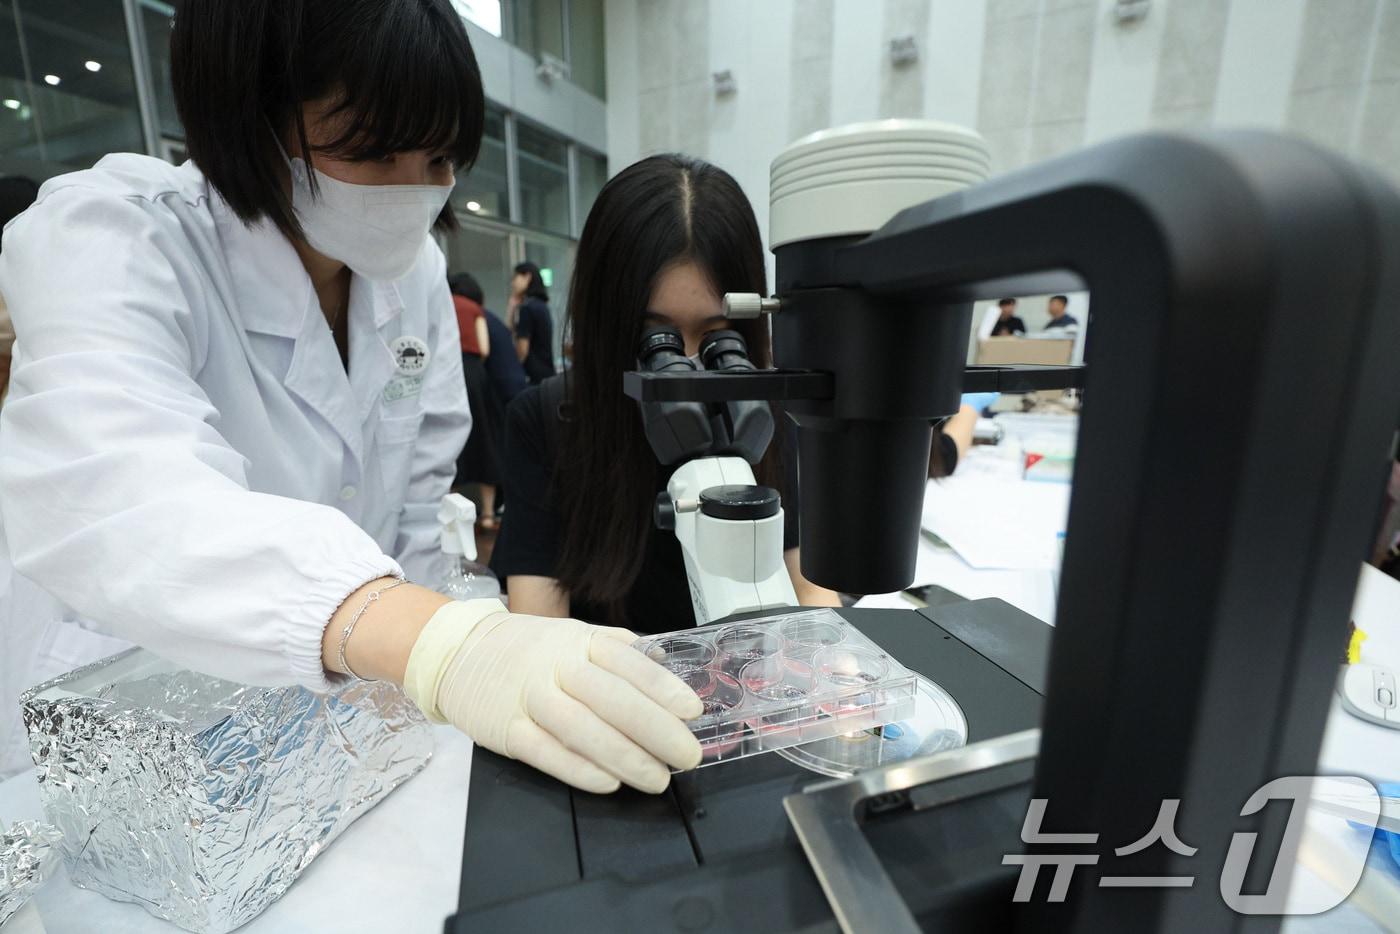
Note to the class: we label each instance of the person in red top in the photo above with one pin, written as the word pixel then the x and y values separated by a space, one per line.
pixel 471 324
pixel 477 462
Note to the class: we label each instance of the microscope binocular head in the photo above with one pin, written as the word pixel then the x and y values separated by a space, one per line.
pixel 681 431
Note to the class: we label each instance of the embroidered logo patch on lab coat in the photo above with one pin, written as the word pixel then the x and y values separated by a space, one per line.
pixel 410 360
pixel 410 355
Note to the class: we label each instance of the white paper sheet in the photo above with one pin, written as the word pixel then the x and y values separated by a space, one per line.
pixel 1029 590
pixel 998 523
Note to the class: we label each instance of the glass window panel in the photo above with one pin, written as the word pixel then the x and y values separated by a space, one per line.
pixel 68 78
pixel 157 18
pixel 587 62
pixel 484 190
pixel 484 13
pixel 556 261
pixel 485 253
pixel 537 26
pixel 592 175
pixel 19 153
pixel 548 22
pixel 510 22
pixel 544 178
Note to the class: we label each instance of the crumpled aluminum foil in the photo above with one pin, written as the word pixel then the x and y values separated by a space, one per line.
pixel 202 800
pixel 27 856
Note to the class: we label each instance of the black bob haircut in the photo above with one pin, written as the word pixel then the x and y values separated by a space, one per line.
pixel 1062 299
pixel 536 287
pixel 402 73
pixel 1006 301
pixel 465 285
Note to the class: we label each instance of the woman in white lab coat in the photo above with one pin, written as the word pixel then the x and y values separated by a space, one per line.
pixel 237 399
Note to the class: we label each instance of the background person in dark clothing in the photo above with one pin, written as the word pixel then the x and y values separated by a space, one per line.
pixel 1008 325
pixel 494 377
pixel 503 369
pixel 507 376
pixel 477 463
pixel 1059 316
pixel 532 323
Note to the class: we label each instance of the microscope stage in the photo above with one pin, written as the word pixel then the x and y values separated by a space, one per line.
pixel 716 851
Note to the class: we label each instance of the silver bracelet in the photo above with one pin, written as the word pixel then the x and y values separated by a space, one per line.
pixel 350 626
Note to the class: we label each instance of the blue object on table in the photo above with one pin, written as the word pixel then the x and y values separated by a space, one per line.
pixel 980 401
pixel 1392 839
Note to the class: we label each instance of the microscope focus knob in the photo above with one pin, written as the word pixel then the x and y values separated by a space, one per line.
pixel 664 512
pixel 739 502
pixel 741 305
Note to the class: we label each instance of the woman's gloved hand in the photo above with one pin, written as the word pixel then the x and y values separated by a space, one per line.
pixel 573 700
pixel 980 401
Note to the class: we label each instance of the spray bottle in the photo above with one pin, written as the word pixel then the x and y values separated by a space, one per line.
pixel 461 577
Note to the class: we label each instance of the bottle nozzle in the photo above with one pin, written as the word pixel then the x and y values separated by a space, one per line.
pixel 457 520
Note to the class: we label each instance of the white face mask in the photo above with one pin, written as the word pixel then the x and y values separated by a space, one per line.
pixel 376 230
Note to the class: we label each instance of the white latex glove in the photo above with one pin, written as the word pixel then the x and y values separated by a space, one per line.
pixel 573 700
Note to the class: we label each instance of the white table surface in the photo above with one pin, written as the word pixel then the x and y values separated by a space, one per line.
pixel 398 867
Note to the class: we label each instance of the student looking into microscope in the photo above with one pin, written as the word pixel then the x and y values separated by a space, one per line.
pixel 666 238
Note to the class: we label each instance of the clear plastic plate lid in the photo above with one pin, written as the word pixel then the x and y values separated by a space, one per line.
pixel 936 724
pixel 783 680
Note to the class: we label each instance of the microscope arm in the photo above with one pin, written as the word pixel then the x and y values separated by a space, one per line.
pixel 1212 548
pixel 733 549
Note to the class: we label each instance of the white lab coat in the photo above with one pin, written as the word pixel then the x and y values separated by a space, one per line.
pixel 184 463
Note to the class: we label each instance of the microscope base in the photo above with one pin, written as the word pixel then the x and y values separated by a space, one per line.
pixel 717 852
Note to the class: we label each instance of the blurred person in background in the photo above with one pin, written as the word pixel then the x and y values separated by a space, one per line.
pixel 532 322
pixel 952 437
pixel 1059 313
pixel 503 368
pixel 1008 325
pixel 478 462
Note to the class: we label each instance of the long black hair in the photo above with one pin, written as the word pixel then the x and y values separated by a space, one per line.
pixel 652 214
pixel 403 72
pixel 536 288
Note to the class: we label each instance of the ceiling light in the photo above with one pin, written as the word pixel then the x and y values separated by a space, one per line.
pixel 11 103
pixel 52 80
pixel 92 66
pixel 473 205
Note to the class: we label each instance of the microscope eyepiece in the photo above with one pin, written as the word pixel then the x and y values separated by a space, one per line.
pixel 676 431
pixel 659 348
pixel 680 430
pixel 725 350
